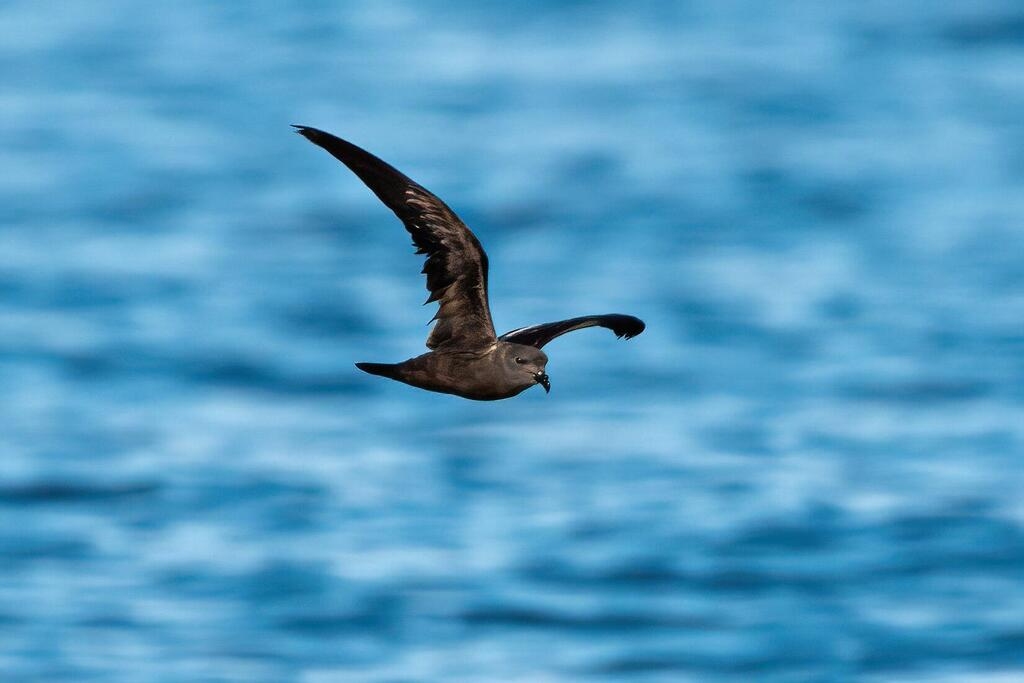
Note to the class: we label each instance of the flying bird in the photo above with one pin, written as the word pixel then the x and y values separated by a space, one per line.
pixel 466 357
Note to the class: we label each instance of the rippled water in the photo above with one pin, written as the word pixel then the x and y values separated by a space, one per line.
pixel 807 469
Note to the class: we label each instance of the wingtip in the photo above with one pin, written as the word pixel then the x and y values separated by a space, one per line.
pixel 634 326
pixel 307 132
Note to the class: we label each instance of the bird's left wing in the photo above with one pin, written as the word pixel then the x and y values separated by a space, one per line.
pixel 456 265
pixel 624 326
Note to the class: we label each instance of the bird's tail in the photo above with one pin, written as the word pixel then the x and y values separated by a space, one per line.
pixel 388 370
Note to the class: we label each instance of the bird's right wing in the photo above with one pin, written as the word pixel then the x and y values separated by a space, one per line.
pixel 624 326
pixel 456 265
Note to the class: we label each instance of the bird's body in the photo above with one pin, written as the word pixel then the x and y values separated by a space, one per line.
pixel 467 358
pixel 482 374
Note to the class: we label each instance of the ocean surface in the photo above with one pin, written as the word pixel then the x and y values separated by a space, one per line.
pixel 808 468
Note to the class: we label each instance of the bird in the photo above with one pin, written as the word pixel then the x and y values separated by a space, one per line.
pixel 466 356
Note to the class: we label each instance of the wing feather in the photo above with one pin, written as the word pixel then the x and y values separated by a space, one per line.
pixel 455 266
pixel 624 326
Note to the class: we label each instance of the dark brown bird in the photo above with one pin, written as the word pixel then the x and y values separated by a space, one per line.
pixel 466 357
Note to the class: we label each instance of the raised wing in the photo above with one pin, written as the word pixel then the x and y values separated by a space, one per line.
pixel 456 265
pixel 624 326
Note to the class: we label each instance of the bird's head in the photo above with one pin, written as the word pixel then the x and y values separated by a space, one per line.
pixel 527 363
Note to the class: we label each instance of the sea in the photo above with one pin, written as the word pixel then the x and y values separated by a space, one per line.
pixel 809 467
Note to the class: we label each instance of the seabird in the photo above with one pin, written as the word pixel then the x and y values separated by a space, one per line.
pixel 466 357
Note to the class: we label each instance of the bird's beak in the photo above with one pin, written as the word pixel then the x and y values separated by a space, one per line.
pixel 542 379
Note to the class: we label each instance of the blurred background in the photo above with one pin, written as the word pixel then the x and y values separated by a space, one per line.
pixel 807 469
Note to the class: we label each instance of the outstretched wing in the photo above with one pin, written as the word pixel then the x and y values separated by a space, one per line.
pixel 538 335
pixel 456 265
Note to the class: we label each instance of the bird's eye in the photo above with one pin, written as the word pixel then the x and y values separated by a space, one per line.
pixel 520 360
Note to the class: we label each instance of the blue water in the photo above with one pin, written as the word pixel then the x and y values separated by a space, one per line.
pixel 807 469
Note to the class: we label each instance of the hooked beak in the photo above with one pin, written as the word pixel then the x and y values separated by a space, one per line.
pixel 542 379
